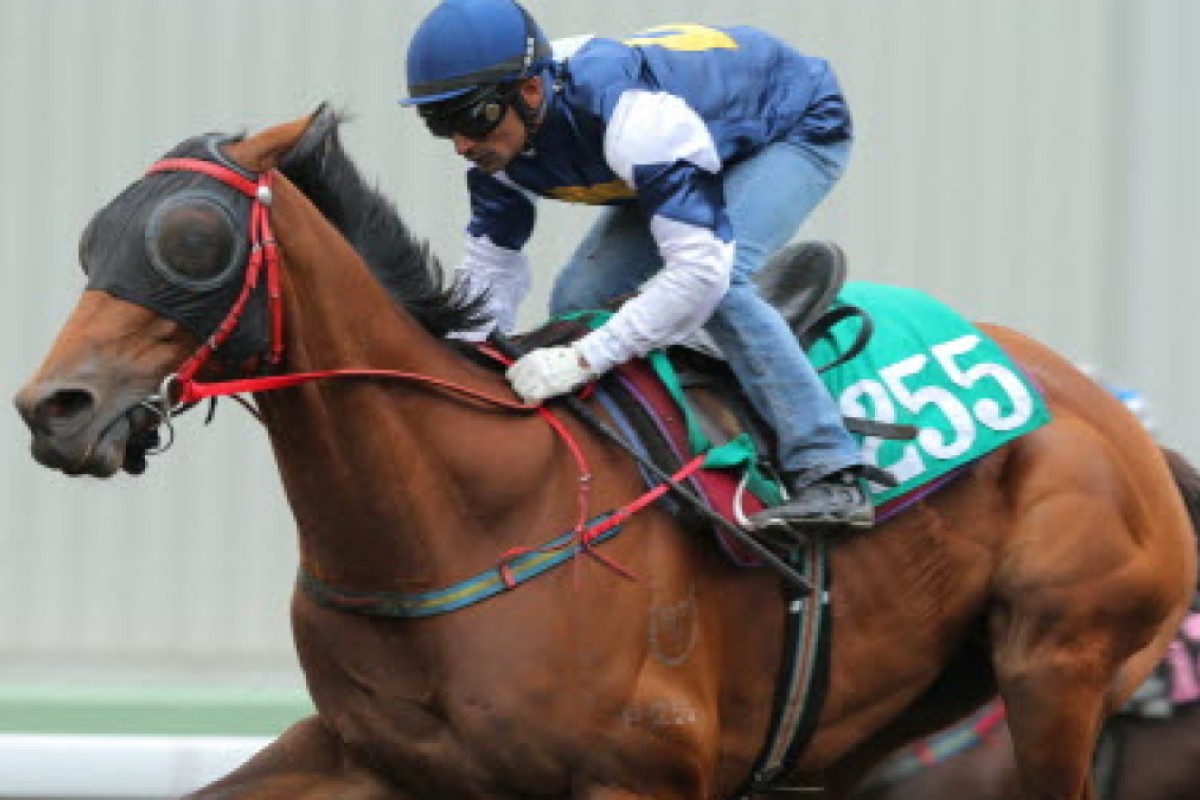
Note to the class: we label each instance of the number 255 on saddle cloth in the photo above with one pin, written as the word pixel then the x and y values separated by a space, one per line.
pixel 929 367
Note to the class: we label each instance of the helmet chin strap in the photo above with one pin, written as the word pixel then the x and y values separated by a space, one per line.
pixel 530 116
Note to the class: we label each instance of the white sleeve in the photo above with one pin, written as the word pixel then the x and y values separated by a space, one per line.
pixel 651 128
pixel 672 305
pixel 656 128
pixel 502 273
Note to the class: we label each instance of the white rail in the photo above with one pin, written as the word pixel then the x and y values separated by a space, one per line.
pixel 117 766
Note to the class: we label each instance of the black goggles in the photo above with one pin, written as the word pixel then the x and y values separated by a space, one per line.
pixel 475 118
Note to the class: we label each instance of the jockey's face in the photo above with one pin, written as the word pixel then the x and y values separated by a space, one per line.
pixel 496 150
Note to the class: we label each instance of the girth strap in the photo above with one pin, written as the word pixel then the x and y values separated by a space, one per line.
pixel 803 681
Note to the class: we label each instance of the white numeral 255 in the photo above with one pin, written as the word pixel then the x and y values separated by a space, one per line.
pixel 894 387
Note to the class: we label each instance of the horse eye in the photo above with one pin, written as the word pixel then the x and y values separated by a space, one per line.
pixel 192 241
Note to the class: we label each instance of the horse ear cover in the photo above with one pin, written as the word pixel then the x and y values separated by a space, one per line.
pixel 117 258
pixel 324 121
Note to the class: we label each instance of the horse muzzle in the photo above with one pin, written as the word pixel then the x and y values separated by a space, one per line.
pixel 74 431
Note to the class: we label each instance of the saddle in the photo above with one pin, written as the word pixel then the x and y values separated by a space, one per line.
pixel 802 281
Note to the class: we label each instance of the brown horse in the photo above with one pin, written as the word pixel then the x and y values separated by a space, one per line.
pixel 1054 570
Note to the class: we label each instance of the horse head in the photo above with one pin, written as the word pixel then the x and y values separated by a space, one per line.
pixel 167 266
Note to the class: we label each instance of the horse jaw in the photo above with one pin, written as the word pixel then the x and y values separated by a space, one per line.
pixel 83 405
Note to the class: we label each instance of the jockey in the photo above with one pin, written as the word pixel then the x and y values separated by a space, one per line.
pixel 710 145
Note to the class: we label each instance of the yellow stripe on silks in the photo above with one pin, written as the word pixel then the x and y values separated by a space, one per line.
pixel 692 38
pixel 598 194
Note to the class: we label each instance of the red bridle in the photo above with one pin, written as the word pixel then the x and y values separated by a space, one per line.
pixel 264 252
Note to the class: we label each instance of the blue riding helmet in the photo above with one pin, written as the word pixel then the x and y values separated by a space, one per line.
pixel 466 44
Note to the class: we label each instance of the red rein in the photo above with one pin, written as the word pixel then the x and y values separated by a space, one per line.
pixel 265 254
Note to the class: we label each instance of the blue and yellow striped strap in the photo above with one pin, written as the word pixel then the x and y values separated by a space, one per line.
pixel 487 584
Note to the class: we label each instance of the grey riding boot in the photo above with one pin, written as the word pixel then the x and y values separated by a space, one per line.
pixel 837 500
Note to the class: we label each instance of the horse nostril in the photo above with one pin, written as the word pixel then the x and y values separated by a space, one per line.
pixel 61 408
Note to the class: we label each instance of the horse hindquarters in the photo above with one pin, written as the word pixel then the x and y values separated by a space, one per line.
pixel 1086 592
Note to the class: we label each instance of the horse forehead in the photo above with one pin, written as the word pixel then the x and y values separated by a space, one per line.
pixel 101 327
pixel 101 316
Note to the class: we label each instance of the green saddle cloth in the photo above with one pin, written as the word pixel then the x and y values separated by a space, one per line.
pixel 926 366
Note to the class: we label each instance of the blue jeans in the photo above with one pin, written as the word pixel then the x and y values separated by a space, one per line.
pixel 767 198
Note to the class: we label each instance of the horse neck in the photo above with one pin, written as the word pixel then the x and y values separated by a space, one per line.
pixel 376 472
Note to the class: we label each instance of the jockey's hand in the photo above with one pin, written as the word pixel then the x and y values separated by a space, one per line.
pixel 548 372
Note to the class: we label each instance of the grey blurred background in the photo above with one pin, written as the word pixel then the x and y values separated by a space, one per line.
pixel 1032 163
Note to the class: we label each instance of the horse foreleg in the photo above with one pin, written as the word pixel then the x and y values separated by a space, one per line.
pixel 1057 652
pixel 305 763
pixel 1054 720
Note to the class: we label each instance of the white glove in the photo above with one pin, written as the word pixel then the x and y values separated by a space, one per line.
pixel 548 372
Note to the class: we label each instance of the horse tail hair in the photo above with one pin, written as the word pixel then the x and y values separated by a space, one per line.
pixel 1187 478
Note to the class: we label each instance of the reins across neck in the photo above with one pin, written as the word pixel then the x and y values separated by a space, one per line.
pixel 264 256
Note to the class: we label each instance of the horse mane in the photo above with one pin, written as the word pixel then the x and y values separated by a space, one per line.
pixel 404 264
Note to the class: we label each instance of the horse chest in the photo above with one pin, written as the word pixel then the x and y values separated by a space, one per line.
pixel 464 748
